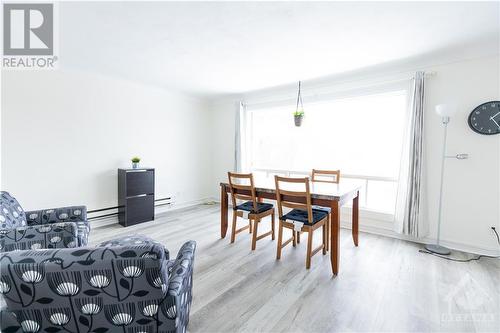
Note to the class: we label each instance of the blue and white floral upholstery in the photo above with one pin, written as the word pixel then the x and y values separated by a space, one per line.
pixel 127 289
pixel 49 228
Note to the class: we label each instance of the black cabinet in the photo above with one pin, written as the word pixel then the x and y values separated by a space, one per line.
pixel 136 196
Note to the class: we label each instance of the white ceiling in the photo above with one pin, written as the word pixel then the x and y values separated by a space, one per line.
pixel 209 48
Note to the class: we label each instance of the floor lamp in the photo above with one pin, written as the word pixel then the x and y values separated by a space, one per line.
pixel 445 111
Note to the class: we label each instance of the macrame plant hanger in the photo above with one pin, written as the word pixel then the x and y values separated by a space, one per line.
pixel 299 113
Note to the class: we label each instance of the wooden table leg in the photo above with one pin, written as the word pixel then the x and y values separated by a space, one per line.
pixel 335 237
pixel 355 219
pixel 223 211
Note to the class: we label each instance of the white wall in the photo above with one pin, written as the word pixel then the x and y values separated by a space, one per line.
pixel 64 134
pixel 471 195
pixel 223 123
pixel 472 187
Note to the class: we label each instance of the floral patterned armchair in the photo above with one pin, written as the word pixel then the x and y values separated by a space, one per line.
pixel 131 289
pixel 43 229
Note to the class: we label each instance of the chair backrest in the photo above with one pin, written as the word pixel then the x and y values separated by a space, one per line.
pixel 283 195
pixel 236 184
pixel 11 213
pixel 326 176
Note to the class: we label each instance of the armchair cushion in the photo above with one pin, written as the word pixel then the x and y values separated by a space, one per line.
pixel 50 236
pixel 76 214
pixel 11 213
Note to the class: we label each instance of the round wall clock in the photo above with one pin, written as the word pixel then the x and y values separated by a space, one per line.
pixel 485 119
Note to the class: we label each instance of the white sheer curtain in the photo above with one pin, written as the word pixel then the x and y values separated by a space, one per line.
pixel 239 137
pixel 409 204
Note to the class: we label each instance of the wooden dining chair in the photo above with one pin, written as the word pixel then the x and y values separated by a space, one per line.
pixel 302 217
pixel 326 176
pixel 251 209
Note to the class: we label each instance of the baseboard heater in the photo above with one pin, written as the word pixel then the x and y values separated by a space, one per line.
pixel 158 203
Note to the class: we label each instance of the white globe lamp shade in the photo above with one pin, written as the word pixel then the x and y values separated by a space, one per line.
pixel 445 110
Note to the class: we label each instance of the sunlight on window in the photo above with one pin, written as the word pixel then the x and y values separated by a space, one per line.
pixel 361 136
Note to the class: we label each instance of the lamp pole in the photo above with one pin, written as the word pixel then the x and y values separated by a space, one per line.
pixel 445 111
pixel 436 248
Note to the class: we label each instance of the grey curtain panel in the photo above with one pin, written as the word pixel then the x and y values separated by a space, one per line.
pixel 409 201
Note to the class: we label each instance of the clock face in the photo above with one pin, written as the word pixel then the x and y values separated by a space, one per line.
pixel 485 119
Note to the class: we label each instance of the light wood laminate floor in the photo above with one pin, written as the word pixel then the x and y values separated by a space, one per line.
pixel 384 285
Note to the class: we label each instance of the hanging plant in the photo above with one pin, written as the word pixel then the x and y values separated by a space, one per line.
pixel 298 115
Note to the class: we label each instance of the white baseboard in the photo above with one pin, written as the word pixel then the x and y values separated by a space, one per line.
pixel 386 232
pixel 183 205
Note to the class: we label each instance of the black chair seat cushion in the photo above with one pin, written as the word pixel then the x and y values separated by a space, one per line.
pixel 261 207
pixel 300 215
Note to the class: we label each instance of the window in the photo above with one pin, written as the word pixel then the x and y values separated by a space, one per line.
pixel 360 135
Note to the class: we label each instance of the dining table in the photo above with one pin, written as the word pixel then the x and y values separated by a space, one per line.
pixel 324 194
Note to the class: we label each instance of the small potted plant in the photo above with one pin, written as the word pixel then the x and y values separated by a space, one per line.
pixel 135 162
pixel 298 116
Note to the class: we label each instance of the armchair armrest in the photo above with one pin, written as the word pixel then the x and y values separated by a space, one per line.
pixel 57 235
pixel 177 303
pixel 180 278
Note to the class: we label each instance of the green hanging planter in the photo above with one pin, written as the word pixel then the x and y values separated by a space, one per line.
pixel 298 115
